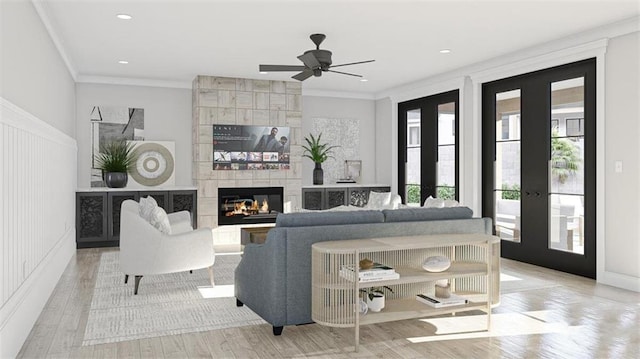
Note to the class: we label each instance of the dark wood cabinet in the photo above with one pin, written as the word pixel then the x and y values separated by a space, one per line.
pixel 98 212
pixel 328 197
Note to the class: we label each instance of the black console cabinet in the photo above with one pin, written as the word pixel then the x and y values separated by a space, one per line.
pixel 98 212
pixel 325 197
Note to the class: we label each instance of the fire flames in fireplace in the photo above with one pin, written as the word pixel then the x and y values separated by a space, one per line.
pixel 240 207
pixel 244 205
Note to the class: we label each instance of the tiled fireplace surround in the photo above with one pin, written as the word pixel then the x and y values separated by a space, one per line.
pixel 223 100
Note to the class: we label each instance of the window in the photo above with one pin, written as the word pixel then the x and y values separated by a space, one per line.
pixel 575 127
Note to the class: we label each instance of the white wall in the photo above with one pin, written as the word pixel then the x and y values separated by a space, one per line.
pixel 618 239
pixel 343 108
pixel 167 117
pixel 38 161
pixel 34 76
pixel 385 173
pixel 622 131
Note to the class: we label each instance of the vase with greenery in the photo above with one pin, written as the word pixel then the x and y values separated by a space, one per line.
pixel 115 160
pixel 318 152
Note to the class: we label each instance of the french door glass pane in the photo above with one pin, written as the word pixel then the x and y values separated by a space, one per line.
pixel 446 166
pixel 566 174
pixel 412 168
pixel 507 166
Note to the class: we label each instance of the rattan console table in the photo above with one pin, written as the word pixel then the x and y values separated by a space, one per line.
pixel 474 274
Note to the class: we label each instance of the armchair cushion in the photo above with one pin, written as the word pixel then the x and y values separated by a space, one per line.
pixel 160 220
pixel 146 206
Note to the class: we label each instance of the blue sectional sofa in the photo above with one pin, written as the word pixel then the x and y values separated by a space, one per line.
pixel 274 279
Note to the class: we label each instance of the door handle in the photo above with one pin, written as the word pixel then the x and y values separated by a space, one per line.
pixel 537 194
pixel 527 193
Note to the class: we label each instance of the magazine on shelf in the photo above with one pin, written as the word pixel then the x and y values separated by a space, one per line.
pixel 378 270
pixel 350 275
pixel 437 302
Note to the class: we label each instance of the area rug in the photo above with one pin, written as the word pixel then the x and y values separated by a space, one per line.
pixel 166 304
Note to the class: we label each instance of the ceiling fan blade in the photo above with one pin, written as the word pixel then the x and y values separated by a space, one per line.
pixel 352 63
pixel 309 60
pixel 274 68
pixel 303 75
pixel 344 73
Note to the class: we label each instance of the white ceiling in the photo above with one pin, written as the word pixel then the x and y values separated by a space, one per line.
pixel 176 40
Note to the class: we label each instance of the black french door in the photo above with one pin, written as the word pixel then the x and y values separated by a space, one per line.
pixel 539 166
pixel 428 148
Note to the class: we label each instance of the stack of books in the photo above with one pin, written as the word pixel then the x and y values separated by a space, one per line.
pixel 376 273
pixel 438 302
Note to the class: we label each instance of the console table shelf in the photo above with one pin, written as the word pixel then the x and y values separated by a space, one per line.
pixel 336 299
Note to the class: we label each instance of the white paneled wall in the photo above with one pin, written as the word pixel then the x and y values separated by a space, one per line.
pixel 37 209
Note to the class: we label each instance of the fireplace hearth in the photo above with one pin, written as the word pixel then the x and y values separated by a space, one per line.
pixel 249 205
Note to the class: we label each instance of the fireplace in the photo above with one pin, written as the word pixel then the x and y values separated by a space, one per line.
pixel 248 205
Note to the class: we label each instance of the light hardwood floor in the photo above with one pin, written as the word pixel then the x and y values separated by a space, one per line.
pixel 542 314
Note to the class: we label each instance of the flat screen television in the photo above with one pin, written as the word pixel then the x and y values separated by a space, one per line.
pixel 243 147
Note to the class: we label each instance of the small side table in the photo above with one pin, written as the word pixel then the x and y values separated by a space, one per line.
pixel 256 235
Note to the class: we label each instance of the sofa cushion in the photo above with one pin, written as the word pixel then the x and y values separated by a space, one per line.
pixel 305 219
pixel 378 200
pixel 426 214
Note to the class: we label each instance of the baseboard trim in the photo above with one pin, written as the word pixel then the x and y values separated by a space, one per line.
pixel 619 280
pixel 21 311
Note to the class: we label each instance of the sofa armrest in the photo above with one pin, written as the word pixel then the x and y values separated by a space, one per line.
pixel 260 278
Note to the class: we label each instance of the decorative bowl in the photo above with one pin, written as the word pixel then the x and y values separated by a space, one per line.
pixel 436 264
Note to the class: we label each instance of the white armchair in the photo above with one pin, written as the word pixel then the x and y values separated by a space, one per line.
pixel 145 250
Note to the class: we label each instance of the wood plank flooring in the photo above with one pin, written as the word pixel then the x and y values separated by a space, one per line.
pixel 542 314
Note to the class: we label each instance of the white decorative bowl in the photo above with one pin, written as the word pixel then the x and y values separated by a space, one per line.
pixel 436 264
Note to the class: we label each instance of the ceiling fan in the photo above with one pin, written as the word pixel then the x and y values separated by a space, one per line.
pixel 315 62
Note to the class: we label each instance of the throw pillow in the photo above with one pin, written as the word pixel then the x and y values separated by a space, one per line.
pixel 451 203
pixel 146 207
pixel 160 220
pixel 433 203
pixel 378 200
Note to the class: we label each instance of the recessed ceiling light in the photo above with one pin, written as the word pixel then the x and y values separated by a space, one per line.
pixel 363 80
pixel 263 72
pixel 445 51
pixel 124 17
pixel 123 62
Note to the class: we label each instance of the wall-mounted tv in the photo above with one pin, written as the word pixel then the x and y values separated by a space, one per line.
pixel 240 147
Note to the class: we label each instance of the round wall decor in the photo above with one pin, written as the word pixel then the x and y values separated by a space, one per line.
pixel 154 165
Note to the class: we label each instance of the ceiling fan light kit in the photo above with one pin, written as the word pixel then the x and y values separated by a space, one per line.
pixel 315 62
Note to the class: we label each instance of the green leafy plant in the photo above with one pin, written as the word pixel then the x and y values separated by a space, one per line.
pixel 565 157
pixel 510 191
pixel 446 192
pixel 116 156
pixel 375 291
pixel 413 193
pixel 315 150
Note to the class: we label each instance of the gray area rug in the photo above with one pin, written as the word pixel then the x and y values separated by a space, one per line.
pixel 166 304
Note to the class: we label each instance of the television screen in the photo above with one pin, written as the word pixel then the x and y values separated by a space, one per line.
pixel 240 147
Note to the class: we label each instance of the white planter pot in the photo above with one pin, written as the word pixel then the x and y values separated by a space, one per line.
pixel 377 303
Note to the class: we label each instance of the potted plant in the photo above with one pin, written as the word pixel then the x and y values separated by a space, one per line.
pixel 317 152
pixel 376 298
pixel 115 159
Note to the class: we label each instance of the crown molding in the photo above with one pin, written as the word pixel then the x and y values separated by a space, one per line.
pixel 130 81
pixel 43 11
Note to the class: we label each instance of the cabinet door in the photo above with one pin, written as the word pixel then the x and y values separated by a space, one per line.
pixel 313 198
pixel 184 201
pixel 115 200
pixel 358 196
pixel 91 218
pixel 335 197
